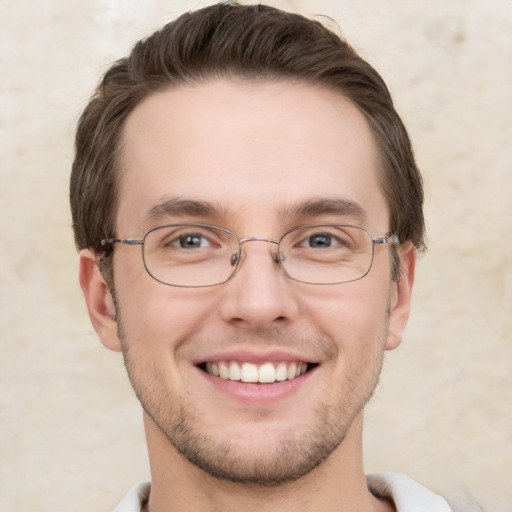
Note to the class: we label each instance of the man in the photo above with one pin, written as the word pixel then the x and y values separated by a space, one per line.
pixel 248 211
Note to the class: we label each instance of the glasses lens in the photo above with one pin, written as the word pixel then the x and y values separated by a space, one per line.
pixel 190 255
pixel 326 254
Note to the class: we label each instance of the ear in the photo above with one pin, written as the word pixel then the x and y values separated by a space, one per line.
pixel 99 301
pixel 400 303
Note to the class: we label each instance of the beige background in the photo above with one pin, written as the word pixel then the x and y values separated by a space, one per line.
pixel 71 430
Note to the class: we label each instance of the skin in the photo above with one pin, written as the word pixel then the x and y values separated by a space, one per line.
pixel 253 151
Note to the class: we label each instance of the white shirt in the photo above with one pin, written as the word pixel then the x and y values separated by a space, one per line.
pixel 408 495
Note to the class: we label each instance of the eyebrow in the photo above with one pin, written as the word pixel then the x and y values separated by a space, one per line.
pixel 326 206
pixel 178 207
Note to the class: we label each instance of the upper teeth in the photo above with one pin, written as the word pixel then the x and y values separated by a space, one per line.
pixel 249 372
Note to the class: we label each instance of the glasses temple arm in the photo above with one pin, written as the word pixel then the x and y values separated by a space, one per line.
pixel 128 241
pixel 393 239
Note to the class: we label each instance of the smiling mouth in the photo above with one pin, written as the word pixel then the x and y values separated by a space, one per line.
pixel 266 373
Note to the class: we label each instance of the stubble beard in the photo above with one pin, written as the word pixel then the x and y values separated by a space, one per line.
pixel 225 459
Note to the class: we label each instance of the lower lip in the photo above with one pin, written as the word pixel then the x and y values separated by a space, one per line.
pixel 254 392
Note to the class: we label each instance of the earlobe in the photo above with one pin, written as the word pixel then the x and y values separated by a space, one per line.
pixel 99 301
pixel 400 304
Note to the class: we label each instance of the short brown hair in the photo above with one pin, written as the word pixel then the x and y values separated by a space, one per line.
pixel 231 40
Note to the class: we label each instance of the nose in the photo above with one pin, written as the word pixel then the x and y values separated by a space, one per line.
pixel 259 296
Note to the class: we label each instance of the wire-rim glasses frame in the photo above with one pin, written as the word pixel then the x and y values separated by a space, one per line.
pixel 281 258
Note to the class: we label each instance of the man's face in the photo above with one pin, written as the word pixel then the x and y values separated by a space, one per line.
pixel 263 158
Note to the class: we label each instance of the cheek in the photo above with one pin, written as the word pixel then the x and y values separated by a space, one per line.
pixel 355 319
pixel 153 330
pixel 350 308
pixel 159 316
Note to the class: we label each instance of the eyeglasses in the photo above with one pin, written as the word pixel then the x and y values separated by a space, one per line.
pixel 200 255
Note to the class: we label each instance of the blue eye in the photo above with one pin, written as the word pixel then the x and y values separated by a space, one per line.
pixel 190 241
pixel 319 240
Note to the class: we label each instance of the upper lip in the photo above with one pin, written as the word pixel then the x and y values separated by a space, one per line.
pixel 256 357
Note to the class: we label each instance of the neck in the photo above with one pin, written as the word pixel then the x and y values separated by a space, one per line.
pixel 337 484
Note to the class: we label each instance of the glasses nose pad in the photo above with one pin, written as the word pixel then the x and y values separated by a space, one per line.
pixel 234 259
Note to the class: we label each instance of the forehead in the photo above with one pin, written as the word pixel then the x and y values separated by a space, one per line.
pixel 246 150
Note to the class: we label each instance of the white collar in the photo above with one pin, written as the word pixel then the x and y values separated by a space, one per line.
pixel 407 495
